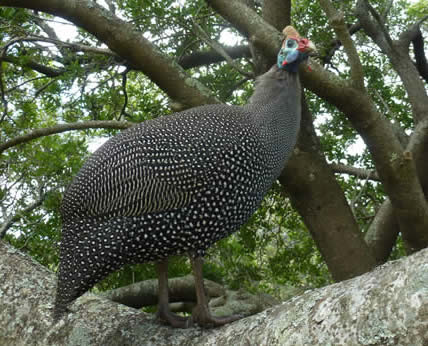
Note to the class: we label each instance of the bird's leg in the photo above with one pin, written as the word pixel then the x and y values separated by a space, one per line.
pixel 164 314
pixel 201 313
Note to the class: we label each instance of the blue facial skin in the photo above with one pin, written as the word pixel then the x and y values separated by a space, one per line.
pixel 291 55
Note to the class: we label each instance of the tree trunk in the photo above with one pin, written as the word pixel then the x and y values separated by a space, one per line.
pixel 388 306
pixel 316 195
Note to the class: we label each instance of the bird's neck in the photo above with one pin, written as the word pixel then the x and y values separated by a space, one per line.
pixel 275 88
pixel 275 108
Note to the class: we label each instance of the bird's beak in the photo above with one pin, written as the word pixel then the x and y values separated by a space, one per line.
pixel 306 46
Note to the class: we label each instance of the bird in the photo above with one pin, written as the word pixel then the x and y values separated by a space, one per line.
pixel 178 183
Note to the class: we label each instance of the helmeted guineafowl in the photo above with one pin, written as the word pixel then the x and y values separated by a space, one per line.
pixel 177 184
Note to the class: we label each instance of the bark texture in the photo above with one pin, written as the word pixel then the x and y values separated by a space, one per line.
pixel 388 306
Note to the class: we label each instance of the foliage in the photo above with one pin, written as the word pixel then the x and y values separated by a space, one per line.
pixel 419 9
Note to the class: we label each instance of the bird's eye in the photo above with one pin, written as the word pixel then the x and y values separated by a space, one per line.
pixel 291 43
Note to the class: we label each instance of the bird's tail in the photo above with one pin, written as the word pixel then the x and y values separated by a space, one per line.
pixel 61 303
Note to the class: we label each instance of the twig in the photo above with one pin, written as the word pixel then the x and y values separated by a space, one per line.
pixel 25 82
pixel 73 46
pixel 2 91
pixel 9 221
pixel 357 197
pixel 44 87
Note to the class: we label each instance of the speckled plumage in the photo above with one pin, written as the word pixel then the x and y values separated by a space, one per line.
pixel 175 184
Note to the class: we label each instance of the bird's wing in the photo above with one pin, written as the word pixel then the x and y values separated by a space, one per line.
pixel 148 174
pixel 149 185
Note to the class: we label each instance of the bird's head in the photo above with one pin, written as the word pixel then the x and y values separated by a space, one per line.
pixel 294 50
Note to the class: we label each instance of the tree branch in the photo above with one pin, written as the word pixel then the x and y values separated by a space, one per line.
pixel 145 293
pixel 395 167
pixel 316 195
pixel 37 133
pixel 336 44
pixel 357 172
pixel 74 46
pixel 45 27
pixel 317 317
pixel 337 21
pixel 421 60
pixel 31 64
pixel 370 27
pixel 122 38
pixel 398 55
pixel 277 13
pixel 211 57
pixel 261 34
pixel 382 233
pixel 219 49
pixel 384 229
pixel 414 34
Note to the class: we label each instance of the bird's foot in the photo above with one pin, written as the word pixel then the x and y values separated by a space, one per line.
pixel 172 319
pixel 202 316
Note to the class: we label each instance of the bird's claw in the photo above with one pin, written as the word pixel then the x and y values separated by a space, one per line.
pixel 202 316
pixel 174 320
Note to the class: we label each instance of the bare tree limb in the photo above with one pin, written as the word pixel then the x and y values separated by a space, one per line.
pixel 396 168
pixel 2 93
pixel 261 34
pixel 384 229
pixel 45 27
pixel 123 112
pixel 277 13
pixel 382 234
pixel 337 21
pixel 336 44
pixel 29 63
pixel 37 133
pixel 211 57
pixel 357 172
pixel 408 35
pixel 380 21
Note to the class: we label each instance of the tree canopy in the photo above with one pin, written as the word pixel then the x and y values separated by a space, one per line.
pixel 352 196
